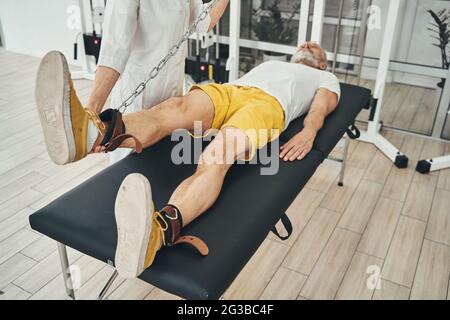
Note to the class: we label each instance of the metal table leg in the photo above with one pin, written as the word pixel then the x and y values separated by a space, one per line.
pixel 344 161
pixel 66 270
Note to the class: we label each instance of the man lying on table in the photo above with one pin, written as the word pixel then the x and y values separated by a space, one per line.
pixel 264 101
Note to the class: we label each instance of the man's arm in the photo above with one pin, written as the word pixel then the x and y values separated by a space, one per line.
pixel 300 145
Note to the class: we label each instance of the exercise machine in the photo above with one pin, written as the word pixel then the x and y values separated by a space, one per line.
pixel 434 164
pixel 212 66
pixel 88 41
pixel 372 135
pixel 438 163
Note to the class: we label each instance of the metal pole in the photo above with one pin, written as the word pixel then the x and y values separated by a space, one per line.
pixel 317 27
pixel 217 42
pixel 344 161
pixel 383 66
pixel 362 38
pixel 108 285
pixel 338 35
pixel 66 270
pixel 303 23
pixel 197 46
pixel 443 102
pixel 235 32
pixel 86 72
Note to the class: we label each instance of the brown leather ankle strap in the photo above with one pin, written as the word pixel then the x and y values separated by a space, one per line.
pixel 117 141
pixel 197 243
pixel 112 131
pixel 171 217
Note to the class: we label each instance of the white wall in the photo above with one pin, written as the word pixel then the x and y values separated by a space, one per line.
pixel 35 27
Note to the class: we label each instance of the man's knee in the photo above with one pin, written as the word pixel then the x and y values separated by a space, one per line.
pixel 215 169
pixel 229 145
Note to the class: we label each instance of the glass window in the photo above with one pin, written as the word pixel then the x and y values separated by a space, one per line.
pixel 418 67
pixel 273 21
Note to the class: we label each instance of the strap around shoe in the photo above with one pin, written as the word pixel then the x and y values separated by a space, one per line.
pixel 112 130
pixel 171 217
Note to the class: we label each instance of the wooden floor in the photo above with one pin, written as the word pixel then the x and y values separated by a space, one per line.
pixel 384 221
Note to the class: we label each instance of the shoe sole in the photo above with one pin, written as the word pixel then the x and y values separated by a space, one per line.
pixel 53 104
pixel 133 211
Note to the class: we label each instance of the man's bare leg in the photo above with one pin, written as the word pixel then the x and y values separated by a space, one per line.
pixel 150 126
pixel 198 193
pixel 141 235
pixel 70 130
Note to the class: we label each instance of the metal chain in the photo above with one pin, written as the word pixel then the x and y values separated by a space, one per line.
pixel 172 52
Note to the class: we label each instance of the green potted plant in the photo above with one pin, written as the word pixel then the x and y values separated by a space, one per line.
pixel 270 26
pixel 441 31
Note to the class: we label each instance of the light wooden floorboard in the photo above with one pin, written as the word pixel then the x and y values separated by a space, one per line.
pixel 379 168
pixel 361 206
pixel 403 254
pixel 158 294
pixel 15 243
pixel 135 289
pixel 439 223
pixel 13 268
pixel 420 197
pixel 380 229
pixel 430 281
pixel 18 203
pixel 326 277
pixel 360 280
pixel 40 249
pixel 258 272
pixel 285 285
pixel 300 211
pixel 337 198
pixel 391 291
pixel 43 272
pixel 307 249
pixel 12 292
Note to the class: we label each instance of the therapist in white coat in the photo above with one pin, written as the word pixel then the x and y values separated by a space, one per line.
pixel 137 35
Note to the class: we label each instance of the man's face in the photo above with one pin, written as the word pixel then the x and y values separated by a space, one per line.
pixel 310 54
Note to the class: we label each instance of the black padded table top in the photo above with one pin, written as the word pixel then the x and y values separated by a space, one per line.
pixel 249 206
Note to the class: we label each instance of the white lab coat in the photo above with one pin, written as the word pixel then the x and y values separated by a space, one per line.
pixel 137 34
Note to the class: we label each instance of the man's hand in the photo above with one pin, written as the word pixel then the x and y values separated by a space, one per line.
pixel 299 146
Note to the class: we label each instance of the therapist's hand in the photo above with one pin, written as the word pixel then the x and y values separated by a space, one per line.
pixel 299 146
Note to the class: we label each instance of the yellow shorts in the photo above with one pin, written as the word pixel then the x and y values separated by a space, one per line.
pixel 250 109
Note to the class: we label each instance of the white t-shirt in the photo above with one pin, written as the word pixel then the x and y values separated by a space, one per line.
pixel 293 85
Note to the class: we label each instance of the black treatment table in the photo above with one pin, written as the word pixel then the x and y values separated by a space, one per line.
pixel 248 208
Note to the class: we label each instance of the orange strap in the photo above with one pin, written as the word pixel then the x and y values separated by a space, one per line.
pixel 117 141
pixel 197 243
